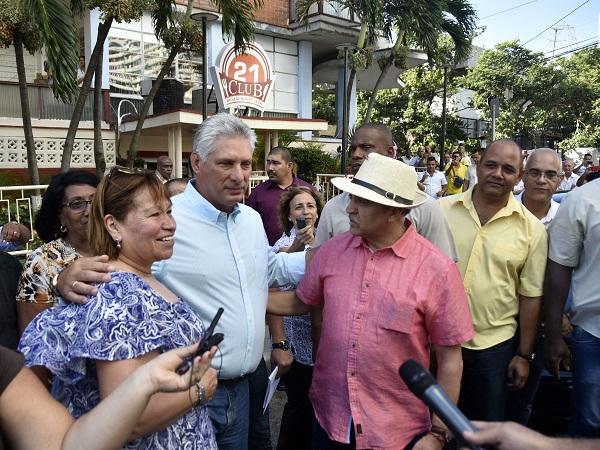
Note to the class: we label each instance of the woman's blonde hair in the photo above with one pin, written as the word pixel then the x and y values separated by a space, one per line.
pixel 116 195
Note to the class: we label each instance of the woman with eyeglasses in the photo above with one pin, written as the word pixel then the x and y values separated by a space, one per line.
pixel 62 223
pixel 92 348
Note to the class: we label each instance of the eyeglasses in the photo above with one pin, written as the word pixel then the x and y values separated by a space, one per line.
pixel 549 174
pixel 126 170
pixel 78 205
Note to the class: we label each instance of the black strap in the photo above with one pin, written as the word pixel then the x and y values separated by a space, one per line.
pixel 386 194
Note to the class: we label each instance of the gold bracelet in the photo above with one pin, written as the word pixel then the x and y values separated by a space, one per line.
pixel 200 394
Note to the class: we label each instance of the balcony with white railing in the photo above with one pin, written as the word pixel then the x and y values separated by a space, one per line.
pixel 42 103
pixel 324 8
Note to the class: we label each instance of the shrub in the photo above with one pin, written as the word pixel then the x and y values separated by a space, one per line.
pixel 311 160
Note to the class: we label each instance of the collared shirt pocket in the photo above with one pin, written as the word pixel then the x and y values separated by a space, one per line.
pixel 395 315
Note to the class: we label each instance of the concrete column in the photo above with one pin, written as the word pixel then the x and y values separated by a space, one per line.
pixel 305 84
pixel 275 138
pixel 171 148
pixel 178 160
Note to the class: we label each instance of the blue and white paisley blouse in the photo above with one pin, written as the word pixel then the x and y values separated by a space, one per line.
pixel 125 320
pixel 297 328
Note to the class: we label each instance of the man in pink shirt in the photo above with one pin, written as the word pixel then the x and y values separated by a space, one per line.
pixel 387 295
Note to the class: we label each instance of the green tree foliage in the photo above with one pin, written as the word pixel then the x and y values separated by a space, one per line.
pixel 47 23
pixel 323 105
pixel 539 97
pixel 310 160
pixel 441 28
pixel 413 112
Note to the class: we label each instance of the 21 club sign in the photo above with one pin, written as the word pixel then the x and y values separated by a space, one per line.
pixel 244 79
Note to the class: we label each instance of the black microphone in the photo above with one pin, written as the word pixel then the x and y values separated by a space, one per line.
pixel 423 385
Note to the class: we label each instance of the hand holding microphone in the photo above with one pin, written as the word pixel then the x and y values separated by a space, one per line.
pixel 423 385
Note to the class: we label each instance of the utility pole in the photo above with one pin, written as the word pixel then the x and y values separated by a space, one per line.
pixel 443 140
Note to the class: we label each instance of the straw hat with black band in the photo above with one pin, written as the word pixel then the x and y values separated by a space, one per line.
pixel 384 180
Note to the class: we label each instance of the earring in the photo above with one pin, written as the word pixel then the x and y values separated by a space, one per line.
pixel 117 242
pixel 63 228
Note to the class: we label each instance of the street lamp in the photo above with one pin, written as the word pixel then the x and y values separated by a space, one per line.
pixel 443 143
pixel 345 48
pixel 204 17
pixel 120 118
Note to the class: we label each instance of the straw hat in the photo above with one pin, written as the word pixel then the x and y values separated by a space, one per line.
pixel 386 181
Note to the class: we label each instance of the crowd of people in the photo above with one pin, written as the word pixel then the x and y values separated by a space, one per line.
pixel 449 268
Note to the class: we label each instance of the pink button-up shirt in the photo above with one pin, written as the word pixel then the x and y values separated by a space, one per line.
pixel 379 309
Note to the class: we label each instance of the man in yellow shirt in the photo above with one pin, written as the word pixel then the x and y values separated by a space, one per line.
pixel 502 251
pixel 456 175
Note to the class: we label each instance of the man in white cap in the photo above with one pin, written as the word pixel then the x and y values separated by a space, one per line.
pixel 387 295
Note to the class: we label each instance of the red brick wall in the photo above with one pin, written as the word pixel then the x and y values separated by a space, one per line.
pixel 273 12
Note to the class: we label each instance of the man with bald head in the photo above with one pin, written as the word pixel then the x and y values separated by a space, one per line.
pixel 164 168
pixel 569 180
pixel 502 250
pixel 540 178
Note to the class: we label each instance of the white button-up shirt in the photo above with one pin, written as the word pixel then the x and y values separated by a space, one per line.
pixel 224 260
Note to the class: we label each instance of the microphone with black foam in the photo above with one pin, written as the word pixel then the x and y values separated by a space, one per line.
pixel 423 385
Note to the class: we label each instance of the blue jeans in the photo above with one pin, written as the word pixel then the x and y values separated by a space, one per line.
pixel 585 419
pixel 484 385
pixel 260 429
pixel 519 403
pixel 230 413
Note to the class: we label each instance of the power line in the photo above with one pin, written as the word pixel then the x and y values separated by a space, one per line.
pixel 583 47
pixel 564 17
pixel 571 45
pixel 509 9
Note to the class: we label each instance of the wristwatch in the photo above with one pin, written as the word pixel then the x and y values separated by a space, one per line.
pixel 283 345
pixel 526 356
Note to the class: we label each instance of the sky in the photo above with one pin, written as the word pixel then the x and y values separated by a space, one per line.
pixel 530 17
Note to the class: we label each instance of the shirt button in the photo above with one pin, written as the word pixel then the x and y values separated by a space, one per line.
pixel 367 285
pixel 353 345
pixel 352 374
pixel 358 316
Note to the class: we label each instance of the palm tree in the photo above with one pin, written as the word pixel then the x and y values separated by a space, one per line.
pixel 26 25
pixel 422 23
pixel 180 33
pixel 99 160
pixel 129 10
pixel 370 14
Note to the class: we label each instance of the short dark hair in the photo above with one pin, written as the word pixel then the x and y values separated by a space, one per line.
pixel 383 129
pixel 285 153
pixel 47 221
pixel 588 154
pixel 432 158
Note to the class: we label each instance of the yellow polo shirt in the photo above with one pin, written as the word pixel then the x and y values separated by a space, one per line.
pixel 453 172
pixel 503 258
